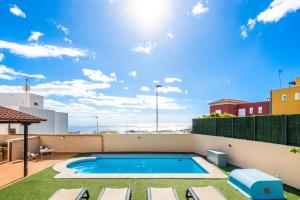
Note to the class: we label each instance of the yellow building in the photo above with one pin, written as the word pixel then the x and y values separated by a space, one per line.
pixel 286 100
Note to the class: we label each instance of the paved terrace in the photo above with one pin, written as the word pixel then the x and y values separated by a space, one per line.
pixel 12 171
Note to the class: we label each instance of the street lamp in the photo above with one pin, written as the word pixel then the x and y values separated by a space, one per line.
pixel 96 117
pixel 156 90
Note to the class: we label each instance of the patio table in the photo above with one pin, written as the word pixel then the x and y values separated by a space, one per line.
pixel 44 153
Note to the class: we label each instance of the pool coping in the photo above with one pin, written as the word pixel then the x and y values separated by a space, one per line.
pixel 213 172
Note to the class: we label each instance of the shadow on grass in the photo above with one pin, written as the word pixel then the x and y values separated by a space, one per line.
pixel 228 168
pixel 292 190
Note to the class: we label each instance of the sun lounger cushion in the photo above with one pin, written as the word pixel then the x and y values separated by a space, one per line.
pixel 162 194
pixel 205 193
pixel 69 194
pixel 115 194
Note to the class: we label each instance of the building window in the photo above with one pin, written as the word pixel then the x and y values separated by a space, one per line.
pixel 251 110
pixel 297 96
pixel 260 110
pixel 218 111
pixel 283 98
pixel 36 104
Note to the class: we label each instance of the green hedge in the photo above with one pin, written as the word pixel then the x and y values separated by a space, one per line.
pixel 279 129
pixel 209 126
pixel 293 129
pixel 243 128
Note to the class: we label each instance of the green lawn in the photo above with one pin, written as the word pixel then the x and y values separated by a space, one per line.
pixel 42 185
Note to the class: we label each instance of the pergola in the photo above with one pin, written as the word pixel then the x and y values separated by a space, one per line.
pixel 9 116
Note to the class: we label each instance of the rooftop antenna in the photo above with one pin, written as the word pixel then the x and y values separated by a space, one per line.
pixel 279 75
pixel 26 87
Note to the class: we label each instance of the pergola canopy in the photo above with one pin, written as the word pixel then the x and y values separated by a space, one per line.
pixel 8 115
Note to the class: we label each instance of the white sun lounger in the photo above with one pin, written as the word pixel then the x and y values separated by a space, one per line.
pixel 70 194
pixel 204 193
pixel 162 194
pixel 115 194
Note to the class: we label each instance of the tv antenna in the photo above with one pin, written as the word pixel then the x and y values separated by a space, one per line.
pixel 26 87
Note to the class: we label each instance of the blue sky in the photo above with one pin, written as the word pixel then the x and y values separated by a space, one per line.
pixel 104 57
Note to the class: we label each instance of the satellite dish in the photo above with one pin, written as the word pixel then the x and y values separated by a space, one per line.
pixel 26 88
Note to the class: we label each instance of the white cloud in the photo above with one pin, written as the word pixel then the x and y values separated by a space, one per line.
pixel 170 35
pixel 80 114
pixel 35 35
pixel 199 8
pixel 169 89
pixel 244 32
pixel 37 51
pixel 121 81
pixel 146 49
pixel 97 75
pixel 251 24
pixel 1 56
pixel 172 80
pixel 73 88
pixel 275 11
pixel 137 102
pixel 10 74
pixel 62 28
pixel 86 92
pixel 156 81
pixel 145 89
pixel 17 11
pixel 133 74
pixel 126 88
pixel 68 40
pixel 186 92
pixel 247 28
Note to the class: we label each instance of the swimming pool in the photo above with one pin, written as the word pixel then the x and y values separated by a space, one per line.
pixel 135 165
pixel 138 164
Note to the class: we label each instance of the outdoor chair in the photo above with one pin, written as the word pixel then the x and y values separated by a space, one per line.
pixel 162 194
pixel 115 194
pixel 33 156
pixel 70 194
pixel 204 193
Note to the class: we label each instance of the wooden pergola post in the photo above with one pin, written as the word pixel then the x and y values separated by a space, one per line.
pixel 26 148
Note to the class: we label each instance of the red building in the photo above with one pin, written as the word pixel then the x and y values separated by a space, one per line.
pixel 240 108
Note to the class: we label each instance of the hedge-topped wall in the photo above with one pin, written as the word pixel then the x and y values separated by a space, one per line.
pixel 280 129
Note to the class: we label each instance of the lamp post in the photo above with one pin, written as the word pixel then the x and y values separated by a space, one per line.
pixel 156 90
pixel 97 118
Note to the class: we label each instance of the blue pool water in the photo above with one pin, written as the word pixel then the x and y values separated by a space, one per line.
pixel 138 164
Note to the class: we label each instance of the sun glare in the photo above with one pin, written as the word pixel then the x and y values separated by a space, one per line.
pixel 149 14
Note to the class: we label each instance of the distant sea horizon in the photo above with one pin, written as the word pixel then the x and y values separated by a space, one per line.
pixel 130 128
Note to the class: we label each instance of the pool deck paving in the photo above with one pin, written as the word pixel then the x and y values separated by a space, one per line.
pixel 10 172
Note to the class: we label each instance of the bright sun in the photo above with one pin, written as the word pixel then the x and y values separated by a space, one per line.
pixel 149 13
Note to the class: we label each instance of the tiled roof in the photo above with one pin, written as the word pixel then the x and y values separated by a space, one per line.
pixel 227 101
pixel 9 115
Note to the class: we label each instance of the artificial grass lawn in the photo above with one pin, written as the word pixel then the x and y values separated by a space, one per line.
pixel 42 185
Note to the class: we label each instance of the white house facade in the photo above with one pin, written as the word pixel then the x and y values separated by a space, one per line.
pixel 57 122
